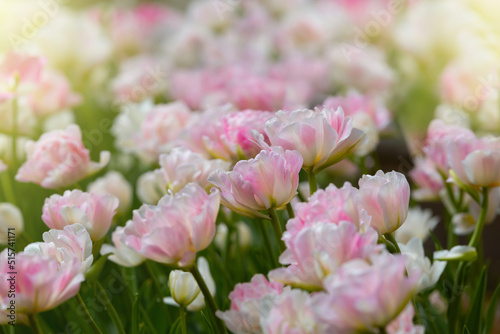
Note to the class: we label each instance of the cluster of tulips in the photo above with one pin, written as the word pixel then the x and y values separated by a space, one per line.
pixel 215 168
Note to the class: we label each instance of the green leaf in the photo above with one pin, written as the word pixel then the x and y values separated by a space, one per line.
pixel 490 314
pixel 473 320
pixel 176 327
pixel 96 269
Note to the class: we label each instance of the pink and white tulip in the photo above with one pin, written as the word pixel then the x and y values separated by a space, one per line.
pixel 403 324
pixel 322 136
pixel 385 197
pixel 94 212
pixel 249 302
pixel 113 183
pixel 59 159
pixel 176 229
pixel 121 254
pixel 270 180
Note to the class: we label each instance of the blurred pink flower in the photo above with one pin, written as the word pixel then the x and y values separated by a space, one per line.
pixel 59 159
pixel 121 254
pixel 403 324
pixel 320 250
pixel 427 178
pixel 322 136
pixel 27 68
pixel 249 302
pixel 72 242
pixel 268 181
pixel 94 212
pixel 385 197
pixel 3 166
pixel 475 161
pixel 115 184
pixel 176 229
pixel 363 297
pixel 41 283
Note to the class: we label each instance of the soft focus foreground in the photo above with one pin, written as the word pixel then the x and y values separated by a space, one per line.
pixel 251 166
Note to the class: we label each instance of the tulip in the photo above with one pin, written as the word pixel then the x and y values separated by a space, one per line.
pixel 457 253
pixel 322 136
pixel 427 178
pixel 121 254
pixel 385 197
pixel 151 187
pixel 248 302
pixel 58 159
pixel 268 181
pixel 418 223
pixel 73 242
pixel 42 283
pixel 403 324
pixel 115 184
pixel 184 289
pixel 94 212
pixel 10 218
pixel 172 232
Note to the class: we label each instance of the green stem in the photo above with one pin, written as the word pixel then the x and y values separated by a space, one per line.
pixel 14 128
pixel 182 315
pixel 34 324
pixel 289 209
pixel 382 330
pixel 110 308
pixel 313 185
pixel 389 245
pixel 267 242
pixel 480 222
pixel 158 288
pixel 393 241
pixel 277 229
pixel 209 300
pixel 88 317
pixel 7 188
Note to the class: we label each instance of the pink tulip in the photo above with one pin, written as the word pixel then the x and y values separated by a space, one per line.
pixel 320 250
pixel 322 136
pixel 250 301
pixel 176 229
pixel 475 162
pixel 73 242
pixel 364 297
pixel 115 184
pixel 27 68
pixel 427 178
pixel 385 197
pixel 58 159
pixel 94 212
pixel 403 324
pixel 41 283
pixel 121 254
pixel 268 181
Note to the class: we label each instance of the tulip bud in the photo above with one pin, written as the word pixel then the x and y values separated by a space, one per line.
pixel 10 218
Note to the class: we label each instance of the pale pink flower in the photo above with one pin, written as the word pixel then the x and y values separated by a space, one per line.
pixel 94 212
pixel 322 136
pixel 249 302
pixel 162 125
pixel 115 184
pixel 176 229
pixel 72 242
pixel 41 283
pixel 27 68
pixel 403 324
pixel 385 197
pixel 419 222
pixel 363 297
pixel 182 166
pixel 427 178
pixel 121 254
pixel 475 161
pixel 356 103
pixel 291 314
pixel 232 138
pixel 320 250
pixel 59 159
pixel 150 187
pixel 270 180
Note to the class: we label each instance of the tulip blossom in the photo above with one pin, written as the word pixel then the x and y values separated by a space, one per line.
pixel 249 301
pixel 457 253
pixel 121 254
pixel 185 290
pixel 58 159
pixel 42 282
pixel 418 262
pixel 270 180
pixel 320 250
pixel 151 187
pixel 73 242
pixel 385 197
pixel 115 184
pixel 172 232
pixel 94 212
pixel 427 178
pixel 10 218
pixel 418 223
pixel 403 324
pixel 322 136
pixel 363 297
pixel 475 162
